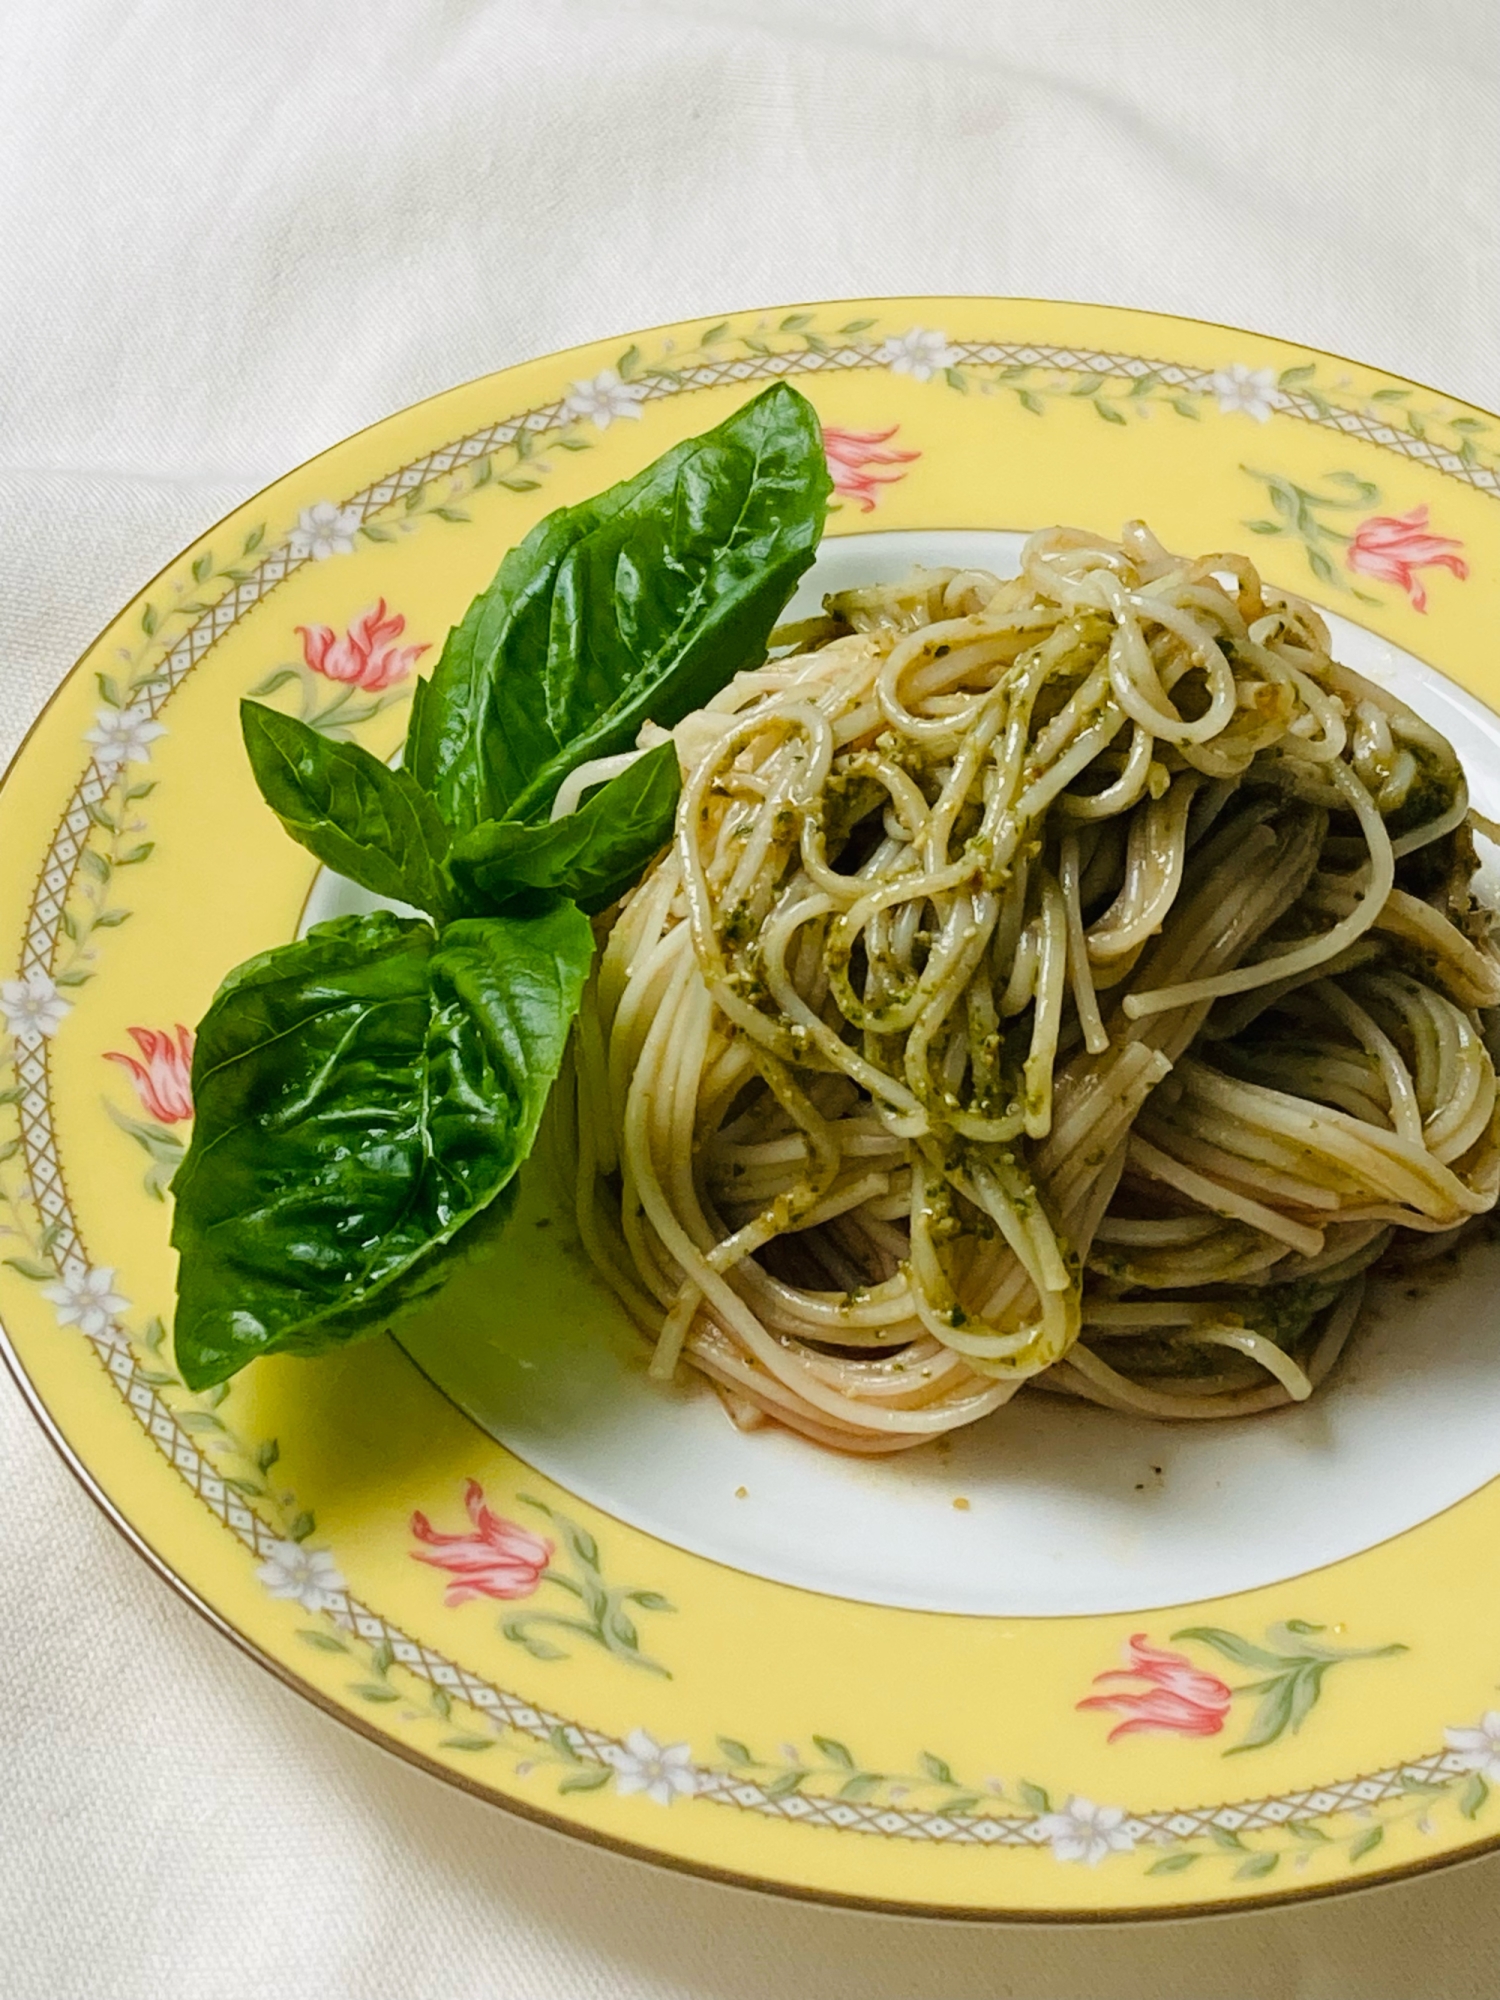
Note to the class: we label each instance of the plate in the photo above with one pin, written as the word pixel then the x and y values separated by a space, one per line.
pixel 496 1548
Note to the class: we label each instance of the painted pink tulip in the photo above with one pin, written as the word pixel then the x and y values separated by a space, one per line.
pixel 499 1559
pixel 367 654
pixel 851 454
pixel 1178 1699
pixel 163 1081
pixel 1393 547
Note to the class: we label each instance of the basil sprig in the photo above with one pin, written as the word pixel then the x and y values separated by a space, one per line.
pixel 365 1095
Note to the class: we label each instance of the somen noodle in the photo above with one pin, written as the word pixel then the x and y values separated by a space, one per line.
pixel 1072 979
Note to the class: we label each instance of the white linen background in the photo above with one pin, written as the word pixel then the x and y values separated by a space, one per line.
pixel 230 235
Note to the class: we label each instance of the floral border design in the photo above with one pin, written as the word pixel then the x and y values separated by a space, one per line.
pixel 830 1789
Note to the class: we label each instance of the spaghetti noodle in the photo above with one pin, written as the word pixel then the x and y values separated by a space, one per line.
pixel 1074 979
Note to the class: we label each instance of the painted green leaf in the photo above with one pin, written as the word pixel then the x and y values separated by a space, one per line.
pixel 956 381
pixel 1364 493
pixel 1307 1685
pixel 1172 1864
pixel 592 855
pixel 1264 527
pixel 1308 1830
pixel 364 1097
pixel 1033 1797
pixel 795 322
pixel 586 1781
pixel 373 1691
pixel 715 334
pixel 31 1267
pixel 581 1542
pixel 862 1787
pixel 275 680
pixel 1471 1799
pixel 302 1527
pixel 1256 1866
pixel 562 1743
pixel 1109 413
pixel 201 1421
pixel 935 1768
pixel 1231 1645
pixel 1029 401
pixel 639 603
pixel 1222 1837
pixel 852 326
pixel 467 1742
pixel 442 1702
pixel 785 1782
pixel 516 1630
pixel 834 1751
pixel 1087 385
pixel 735 1751
pixel 322 1642
pixel 1366 1842
pixel 1272 1716
pixel 1293 378
pixel 649 1600
pixel 624 1630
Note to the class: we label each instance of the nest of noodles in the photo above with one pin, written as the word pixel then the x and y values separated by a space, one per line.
pixel 1073 979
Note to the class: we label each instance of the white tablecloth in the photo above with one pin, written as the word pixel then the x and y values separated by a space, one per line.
pixel 231 234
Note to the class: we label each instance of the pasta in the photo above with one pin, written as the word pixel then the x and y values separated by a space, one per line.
pixel 1072 980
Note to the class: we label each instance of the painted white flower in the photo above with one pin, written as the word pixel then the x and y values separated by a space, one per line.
pixel 33 1007
pixel 919 352
pixel 662 1772
pixel 604 398
pixel 324 530
pixel 85 1296
pixel 1478 1749
pixel 304 1576
pixel 1246 389
pixel 123 736
pixel 1086 1832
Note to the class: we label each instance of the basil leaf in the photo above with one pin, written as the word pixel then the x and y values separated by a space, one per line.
pixel 638 604
pixel 373 824
pixel 592 855
pixel 364 1097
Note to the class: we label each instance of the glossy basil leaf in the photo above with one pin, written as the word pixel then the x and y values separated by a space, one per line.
pixel 592 855
pixel 638 604
pixel 364 1097
pixel 366 821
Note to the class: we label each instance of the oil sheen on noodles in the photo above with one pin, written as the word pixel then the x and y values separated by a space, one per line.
pixel 1074 979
